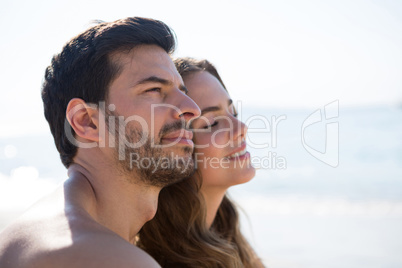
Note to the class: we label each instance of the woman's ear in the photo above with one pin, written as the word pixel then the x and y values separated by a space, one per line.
pixel 84 119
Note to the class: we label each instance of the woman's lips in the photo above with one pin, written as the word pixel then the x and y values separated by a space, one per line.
pixel 244 156
pixel 239 152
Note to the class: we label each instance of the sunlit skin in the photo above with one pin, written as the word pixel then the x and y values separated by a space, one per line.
pixel 135 91
pixel 218 134
pixel 93 218
pixel 132 96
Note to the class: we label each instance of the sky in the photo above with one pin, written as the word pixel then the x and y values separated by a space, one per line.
pixel 269 53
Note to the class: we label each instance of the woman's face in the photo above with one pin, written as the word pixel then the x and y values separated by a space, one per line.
pixel 219 137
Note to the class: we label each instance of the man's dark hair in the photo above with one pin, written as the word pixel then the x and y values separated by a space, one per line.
pixel 84 69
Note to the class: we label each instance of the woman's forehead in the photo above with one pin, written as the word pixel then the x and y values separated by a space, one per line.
pixel 205 89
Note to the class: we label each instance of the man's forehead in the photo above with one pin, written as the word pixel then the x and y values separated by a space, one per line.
pixel 145 61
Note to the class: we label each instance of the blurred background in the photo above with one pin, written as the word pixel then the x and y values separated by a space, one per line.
pixel 338 61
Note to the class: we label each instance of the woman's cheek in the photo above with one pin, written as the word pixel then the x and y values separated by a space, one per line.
pixel 201 141
pixel 219 140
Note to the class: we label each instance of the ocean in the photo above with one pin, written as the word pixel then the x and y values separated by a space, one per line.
pixel 328 189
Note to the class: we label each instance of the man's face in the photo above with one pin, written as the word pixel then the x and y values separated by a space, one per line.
pixel 150 109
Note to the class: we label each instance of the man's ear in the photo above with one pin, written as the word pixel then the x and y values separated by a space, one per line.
pixel 84 119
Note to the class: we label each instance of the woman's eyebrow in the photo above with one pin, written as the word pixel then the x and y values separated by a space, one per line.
pixel 214 108
pixel 210 109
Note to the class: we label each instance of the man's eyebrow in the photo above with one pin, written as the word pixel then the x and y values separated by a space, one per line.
pixel 214 108
pixel 155 79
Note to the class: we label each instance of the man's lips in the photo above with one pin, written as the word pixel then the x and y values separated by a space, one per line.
pixel 181 133
pixel 179 136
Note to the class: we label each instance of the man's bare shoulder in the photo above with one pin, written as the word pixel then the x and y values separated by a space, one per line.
pixel 48 235
pixel 98 251
pixel 34 246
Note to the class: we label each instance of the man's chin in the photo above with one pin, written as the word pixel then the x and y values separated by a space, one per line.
pixel 177 168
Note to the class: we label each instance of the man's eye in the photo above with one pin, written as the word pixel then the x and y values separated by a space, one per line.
pixel 212 125
pixel 155 89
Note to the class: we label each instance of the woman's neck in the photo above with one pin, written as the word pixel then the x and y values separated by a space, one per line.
pixel 213 199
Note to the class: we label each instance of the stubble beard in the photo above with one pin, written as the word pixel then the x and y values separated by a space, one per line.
pixel 163 167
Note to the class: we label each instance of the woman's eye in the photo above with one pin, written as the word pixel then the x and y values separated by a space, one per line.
pixel 235 114
pixel 212 125
pixel 155 89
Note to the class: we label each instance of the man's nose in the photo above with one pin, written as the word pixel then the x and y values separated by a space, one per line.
pixel 188 109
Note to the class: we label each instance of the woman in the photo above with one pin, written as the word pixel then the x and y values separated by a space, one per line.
pixel 196 224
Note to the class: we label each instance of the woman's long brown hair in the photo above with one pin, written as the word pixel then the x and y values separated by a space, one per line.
pixel 178 235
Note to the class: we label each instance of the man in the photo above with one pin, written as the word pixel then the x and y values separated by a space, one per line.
pixel 117 108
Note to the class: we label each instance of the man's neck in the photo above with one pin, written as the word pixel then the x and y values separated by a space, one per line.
pixel 111 199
